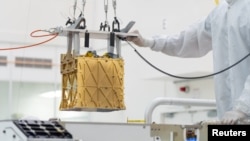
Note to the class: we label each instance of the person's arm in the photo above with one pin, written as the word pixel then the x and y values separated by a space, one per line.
pixel 195 41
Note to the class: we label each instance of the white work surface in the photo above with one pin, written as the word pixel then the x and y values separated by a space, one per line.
pixel 87 131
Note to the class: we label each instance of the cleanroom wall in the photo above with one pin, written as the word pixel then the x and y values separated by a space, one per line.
pixel 142 83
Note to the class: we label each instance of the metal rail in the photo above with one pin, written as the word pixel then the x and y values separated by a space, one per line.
pixel 175 101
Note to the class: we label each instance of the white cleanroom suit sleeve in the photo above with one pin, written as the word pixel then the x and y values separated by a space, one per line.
pixel 195 41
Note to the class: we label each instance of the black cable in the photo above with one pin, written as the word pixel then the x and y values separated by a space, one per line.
pixel 182 77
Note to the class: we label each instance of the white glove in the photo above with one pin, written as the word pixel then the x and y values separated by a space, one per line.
pixel 140 41
pixel 231 117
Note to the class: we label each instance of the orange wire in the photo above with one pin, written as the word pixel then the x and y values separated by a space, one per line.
pixel 54 35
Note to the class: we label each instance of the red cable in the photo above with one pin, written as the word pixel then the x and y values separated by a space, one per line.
pixel 54 35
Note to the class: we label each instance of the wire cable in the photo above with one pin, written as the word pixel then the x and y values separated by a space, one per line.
pixel 182 77
pixel 32 34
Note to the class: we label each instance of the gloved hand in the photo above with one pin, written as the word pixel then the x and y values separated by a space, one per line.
pixel 139 40
pixel 231 117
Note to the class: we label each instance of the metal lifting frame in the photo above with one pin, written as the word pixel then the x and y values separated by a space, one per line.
pixel 74 33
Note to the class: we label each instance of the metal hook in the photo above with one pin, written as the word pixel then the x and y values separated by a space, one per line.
pixel 115 22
